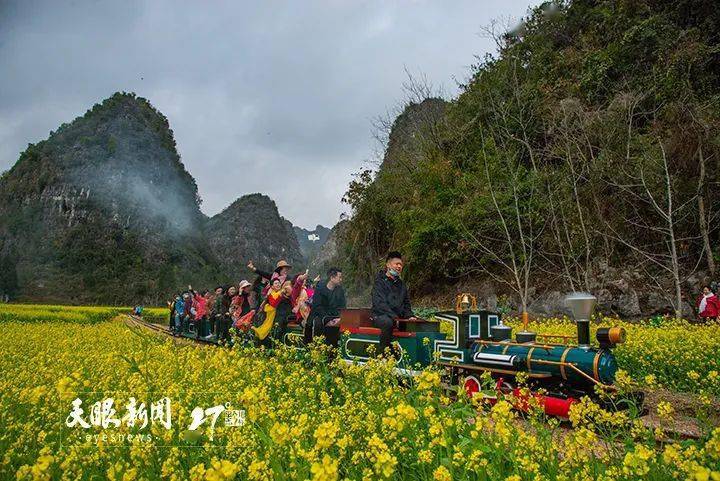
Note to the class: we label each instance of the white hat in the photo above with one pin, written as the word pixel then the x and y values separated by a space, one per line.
pixel 244 283
pixel 281 264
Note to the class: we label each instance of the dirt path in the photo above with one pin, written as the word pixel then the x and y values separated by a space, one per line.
pixel 686 406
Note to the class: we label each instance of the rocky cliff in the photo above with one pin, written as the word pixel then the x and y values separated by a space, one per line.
pixel 251 228
pixel 311 241
pixel 417 125
pixel 104 211
pixel 328 254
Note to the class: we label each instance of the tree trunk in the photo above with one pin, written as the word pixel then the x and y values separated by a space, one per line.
pixel 702 217
pixel 669 216
pixel 676 274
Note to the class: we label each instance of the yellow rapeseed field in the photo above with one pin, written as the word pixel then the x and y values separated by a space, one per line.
pixel 306 417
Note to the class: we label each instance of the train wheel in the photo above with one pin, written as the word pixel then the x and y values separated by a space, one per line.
pixel 504 387
pixel 471 386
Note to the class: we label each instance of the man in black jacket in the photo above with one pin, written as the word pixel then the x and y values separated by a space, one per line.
pixel 327 301
pixel 390 299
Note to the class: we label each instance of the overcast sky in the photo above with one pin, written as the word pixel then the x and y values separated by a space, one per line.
pixel 272 97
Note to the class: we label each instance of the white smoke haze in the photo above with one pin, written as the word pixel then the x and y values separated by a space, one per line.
pixel 272 97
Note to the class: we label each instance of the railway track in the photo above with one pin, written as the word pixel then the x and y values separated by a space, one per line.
pixel 138 322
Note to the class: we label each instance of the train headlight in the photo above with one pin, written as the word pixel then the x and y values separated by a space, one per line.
pixel 610 336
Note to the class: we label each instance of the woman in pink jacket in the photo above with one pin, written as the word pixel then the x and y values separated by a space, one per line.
pixel 200 305
pixel 301 297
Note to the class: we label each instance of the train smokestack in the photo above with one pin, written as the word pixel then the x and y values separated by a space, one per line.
pixel 581 304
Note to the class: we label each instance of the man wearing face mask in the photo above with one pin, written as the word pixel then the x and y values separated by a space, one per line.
pixel 390 299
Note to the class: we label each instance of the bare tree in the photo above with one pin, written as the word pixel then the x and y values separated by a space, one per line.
pixel 703 131
pixel 568 219
pixel 512 176
pixel 702 214
pixel 511 247
pixel 653 188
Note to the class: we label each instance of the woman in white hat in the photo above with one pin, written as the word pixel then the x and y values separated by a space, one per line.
pixel 281 272
pixel 242 303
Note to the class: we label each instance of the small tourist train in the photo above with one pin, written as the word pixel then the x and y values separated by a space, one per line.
pixel 474 341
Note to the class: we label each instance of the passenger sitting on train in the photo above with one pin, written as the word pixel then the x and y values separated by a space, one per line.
pixel 269 309
pixel 179 313
pixel 390 299
pixel 201 311
pixel 248 296
pixel 256 290
pixel 189 310
pixel 171 305
pixel 224 332
pixel 328 300
pixel 240 304
pixel 300 298
pixel 283 311
pixel 281 272
pixel 217 313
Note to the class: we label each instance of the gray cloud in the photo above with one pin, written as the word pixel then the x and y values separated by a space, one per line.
pixel 273 97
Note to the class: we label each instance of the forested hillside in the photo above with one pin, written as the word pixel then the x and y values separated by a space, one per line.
pixel 251 228
pixel 584 155
pixel 104 211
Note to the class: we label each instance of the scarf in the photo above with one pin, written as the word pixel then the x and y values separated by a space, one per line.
pixel 703 302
